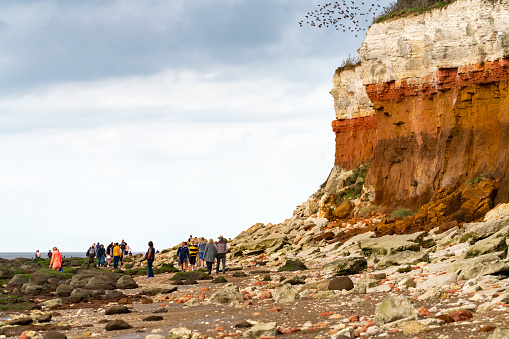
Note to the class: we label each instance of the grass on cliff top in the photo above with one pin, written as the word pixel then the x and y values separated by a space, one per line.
pixel 350 62
pixel 402 8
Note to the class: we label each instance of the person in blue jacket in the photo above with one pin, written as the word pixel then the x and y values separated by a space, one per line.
pixel 183 256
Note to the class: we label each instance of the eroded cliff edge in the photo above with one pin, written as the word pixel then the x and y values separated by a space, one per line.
pixel 428 106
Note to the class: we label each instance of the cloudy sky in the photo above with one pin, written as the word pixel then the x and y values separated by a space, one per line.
pixel 153 120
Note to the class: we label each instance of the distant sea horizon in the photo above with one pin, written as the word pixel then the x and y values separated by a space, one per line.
pixel 31 255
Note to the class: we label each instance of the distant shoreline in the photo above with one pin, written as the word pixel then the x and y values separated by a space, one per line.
pixel 31 255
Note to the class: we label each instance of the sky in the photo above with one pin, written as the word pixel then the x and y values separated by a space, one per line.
pixel 154 120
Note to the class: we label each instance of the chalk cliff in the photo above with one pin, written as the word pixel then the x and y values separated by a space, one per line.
pixel 428 107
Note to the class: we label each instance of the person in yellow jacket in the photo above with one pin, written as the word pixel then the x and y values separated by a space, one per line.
pixel 116 255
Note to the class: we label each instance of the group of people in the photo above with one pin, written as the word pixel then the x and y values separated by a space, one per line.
pixel 202 254
pixel 114 251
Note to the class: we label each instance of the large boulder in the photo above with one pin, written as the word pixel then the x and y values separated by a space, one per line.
pixel 286 293
pixel 153 289
pixel 488 245
pixel 17 280
pixel 226 295
pixel 293 265
pixel 346 266
pixel 6 273
pixel 64 290
pixel 491 263
pixel 79 293
pixel 33 289
pixel 394 308
pixel 500 211
pixel 403 258
pixel 439 280
pixel 274 240
pixel 117 324
pixel 117 309
pixel 390 244
pixel 126 282
pixel 341 283
pixel 100 283
pixel 261 330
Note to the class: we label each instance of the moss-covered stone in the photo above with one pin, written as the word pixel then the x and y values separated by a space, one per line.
pixel 293 265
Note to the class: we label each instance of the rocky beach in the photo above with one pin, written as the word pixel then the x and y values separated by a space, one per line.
pixel 406 238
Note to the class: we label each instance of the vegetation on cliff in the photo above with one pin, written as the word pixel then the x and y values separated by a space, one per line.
pixel 402 8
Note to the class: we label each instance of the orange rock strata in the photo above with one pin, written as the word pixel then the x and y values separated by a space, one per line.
pixel 431 135
pixel 355 141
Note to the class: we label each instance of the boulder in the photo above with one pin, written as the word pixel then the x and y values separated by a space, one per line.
pixel 286 293
pixel 491 263
pixel 403 258
pixel 119 309
pixel 394 308
pixel 351 246
pixel 293 265
pixel 43 278
pixel 341 283
pixel 45 318
pixel 52 303
pixel 114 294
pixel 482 230
pixel 54 335
pixel 390 244
pixel 153 318
pixel 17 280
pixel 21 321
pixel 346 266
pixel 261 330
pixel 343 210
pixel 153 289
pixel 6 273
pixel 363 285
pixel 99 283
pixel 126 282
pixel 272 240
pixel 439 280
pixel 64 290
pixel 30 288
pixel 117 324
pixel 226 295
pixel 485 246
pixel 79 293
pixel 295 280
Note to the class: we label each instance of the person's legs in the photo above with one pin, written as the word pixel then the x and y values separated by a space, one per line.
pixel 121 262
pixel 223 259
pixel 150 271
pixel 115 261
pixel 209 266
pixel 217 264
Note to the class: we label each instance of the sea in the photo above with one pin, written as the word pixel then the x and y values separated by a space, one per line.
pixel 31 255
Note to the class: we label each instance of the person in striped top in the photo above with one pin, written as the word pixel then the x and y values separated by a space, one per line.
pixel 193 253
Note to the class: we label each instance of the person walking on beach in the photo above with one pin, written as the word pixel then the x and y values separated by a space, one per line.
pixel 183 256
pixel 37 254
pixel 56 260
pixel 109 254
pixel 117 252
pixel 91 254
pixel 209 255
pixel 193 253
pixel 123 244
pixel 150 256
pixel 49 254
pixel 201 249
pixel 222 248
pixel 101 255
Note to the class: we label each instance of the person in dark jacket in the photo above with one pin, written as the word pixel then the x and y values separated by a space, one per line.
pixel 101 255
pixel 222 248
pixel 183 256
pixel 150 256
pixel 209 255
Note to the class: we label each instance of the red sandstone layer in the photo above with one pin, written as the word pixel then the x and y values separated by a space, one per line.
pixel 355 141
pixel 436 134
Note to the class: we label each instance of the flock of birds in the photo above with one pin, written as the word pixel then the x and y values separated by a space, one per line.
pixel 343 16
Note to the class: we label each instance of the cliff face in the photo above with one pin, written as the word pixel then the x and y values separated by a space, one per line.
pixel 438 109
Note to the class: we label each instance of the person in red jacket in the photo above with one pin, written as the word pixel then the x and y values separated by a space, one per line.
pixel 56 260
